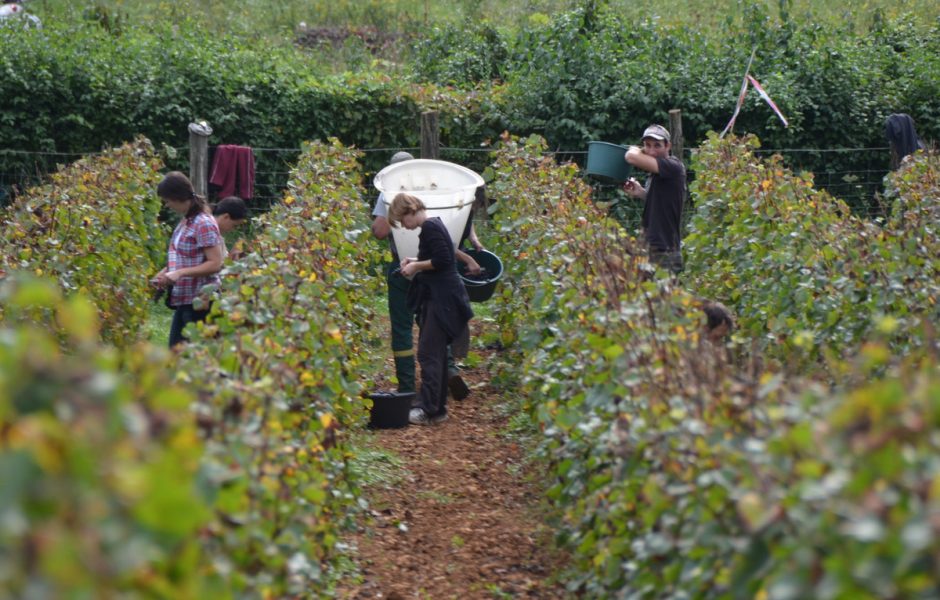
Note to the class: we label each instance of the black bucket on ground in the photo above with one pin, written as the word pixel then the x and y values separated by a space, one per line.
pixel 480 287
pixel 390 409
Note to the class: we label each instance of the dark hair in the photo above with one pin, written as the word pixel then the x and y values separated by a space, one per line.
pixel 233 206
pixel 718 314
pixel 176 186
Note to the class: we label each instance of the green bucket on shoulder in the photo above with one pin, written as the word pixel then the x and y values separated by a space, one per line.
pixel 605 161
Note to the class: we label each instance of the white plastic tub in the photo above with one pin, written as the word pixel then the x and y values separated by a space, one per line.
pixel 446 189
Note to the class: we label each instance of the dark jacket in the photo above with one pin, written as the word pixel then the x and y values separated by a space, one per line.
pixel 439 289
pixel 899 128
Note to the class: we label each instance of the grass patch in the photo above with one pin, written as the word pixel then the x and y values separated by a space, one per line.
pixel 157 328
pixel 374 466
pixel 281 21
pixel 472 360
pixel 439 498
pixel 497 592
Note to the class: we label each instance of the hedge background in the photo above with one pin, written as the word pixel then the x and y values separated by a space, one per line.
pixel 584 74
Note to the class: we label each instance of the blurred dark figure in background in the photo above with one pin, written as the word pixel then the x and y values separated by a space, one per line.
pixel 899 128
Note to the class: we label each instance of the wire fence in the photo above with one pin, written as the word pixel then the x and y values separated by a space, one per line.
pixel 20 169
pixel 856 175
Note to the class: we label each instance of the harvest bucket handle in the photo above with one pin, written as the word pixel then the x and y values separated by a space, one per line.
pixel 460 205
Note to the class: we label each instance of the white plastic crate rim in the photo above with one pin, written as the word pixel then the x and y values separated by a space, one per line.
pixel 446 189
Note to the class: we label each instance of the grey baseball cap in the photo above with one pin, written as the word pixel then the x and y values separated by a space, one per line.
pixel 657 132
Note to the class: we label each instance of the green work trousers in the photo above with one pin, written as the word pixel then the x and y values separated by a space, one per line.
pixel 402 320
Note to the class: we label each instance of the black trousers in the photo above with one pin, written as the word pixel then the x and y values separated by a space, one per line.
pixel 183 315
pixel 432 356
pixel 667 259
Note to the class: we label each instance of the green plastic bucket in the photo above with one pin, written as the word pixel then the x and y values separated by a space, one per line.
pixel 605 162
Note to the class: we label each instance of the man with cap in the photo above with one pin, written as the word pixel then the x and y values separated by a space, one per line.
pixel 663 196
pixel 401 316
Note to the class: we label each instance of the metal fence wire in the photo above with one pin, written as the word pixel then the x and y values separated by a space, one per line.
pixel 856 175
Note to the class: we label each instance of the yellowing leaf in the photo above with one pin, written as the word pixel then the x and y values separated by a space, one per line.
pixel 678 414
pixel 79 318
pixel 887 324
pixel 803 339
pixel 751 510
pixel 935 489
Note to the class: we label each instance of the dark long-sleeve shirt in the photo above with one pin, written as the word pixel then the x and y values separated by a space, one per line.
pixel 440 288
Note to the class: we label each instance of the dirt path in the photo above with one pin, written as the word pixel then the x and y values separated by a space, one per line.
pixel 463 521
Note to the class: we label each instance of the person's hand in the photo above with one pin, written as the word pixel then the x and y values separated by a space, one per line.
pixel 158 281
pixel 477 245
pixel 161 280
pixel 473 267
pixel 409 267
pixel 172 277
pixel 633 188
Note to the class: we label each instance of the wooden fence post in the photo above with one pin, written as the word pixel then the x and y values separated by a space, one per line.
pixel 199 156
pixel 675 132
pixel 430 135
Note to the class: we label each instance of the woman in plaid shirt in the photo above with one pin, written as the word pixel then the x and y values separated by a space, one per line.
pixel 195 254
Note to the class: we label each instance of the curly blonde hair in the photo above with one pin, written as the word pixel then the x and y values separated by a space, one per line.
pixel 404 204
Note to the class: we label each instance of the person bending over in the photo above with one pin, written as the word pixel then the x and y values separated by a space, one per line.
pixel 437 297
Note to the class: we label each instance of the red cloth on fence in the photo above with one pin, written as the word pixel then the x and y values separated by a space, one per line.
pixel 233 167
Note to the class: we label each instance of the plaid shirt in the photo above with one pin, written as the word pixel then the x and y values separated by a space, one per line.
pixel 187 249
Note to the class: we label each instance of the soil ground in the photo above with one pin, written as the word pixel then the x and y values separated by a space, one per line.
pixel 463 520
